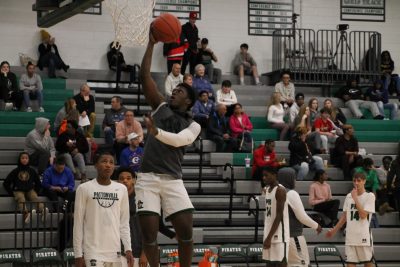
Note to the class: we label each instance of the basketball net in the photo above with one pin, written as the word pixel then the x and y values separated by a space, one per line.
pixel 131 19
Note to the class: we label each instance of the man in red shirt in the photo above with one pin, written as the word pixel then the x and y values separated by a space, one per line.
pixel 325 127
pixel 263 156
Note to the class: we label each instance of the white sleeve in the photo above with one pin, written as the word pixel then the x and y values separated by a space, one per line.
pixel 234 98
pixel 183 138
pixel 79 215
pixel 370 203
pixel 168 86
pixel 125 231
pixel 295 203
pixel 292 113
pixel 271 118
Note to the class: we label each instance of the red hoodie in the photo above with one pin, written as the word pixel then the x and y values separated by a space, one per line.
pixel 261 158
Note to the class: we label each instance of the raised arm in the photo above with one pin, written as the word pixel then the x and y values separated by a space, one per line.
pixel 150 90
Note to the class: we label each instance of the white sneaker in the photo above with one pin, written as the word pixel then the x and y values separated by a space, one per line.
pixel 29 109
pixel 41 109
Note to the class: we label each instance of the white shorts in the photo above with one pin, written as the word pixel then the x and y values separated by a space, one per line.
pixel 97 263
pixel 298 252
pixel 359 254
pixel 155 192
pixel 277 253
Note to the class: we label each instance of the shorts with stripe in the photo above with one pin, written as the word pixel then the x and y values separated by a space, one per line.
pixel 298 252
pixel 277 253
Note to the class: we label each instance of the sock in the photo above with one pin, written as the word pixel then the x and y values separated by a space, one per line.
pixel 241 80
pixel 257 79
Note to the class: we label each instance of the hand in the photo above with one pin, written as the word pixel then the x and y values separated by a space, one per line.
pixel 52 40
pixel 226 136
pixel 74 152
pixel 267 243
pixel 151 128
pixel 290 101
pixel 319 229
pixel 56 188
pixel 304 117
pixel 65 189
pixel 143 262
pixel 129 258
pixel 51 160
pixel 330 233
pixel 152 40
pixel 70 143
pixel 354 194
pixel 47 133
pixel 80 262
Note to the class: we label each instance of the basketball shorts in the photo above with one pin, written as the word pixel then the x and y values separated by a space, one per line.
pixel 298 252
pixel 359 254
pixel 158 191
pixel 277 253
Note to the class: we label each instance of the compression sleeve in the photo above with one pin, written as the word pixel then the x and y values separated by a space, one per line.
pixel 183 138
pixel 295 203
pixel 124 228
pixel 79 212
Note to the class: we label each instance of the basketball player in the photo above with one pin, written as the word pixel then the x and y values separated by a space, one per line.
pixel 101 219
pixel 276 222
pixel 159 184
pixel 358 208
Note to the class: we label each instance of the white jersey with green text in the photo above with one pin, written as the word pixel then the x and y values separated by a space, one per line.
pixel 358 232
pixel 282 233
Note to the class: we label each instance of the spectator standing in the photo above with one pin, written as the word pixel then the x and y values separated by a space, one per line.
pixel 201 83
pixel 205 57
pixel 203 108
pixel 125 127
pixel 40 145
pixel 263 156
pixel 175 52
pixel 326 130
pixel 286 89
pixel 320 197
pixel 72 145
pixel 49 56
pixel 387 68
pixel 114 115
pixel 132 155
pixel 173 79
pixel 86 106
pixel 219 132
pixel 9 90
pixel 31 84
pixel 336 115
pixel 294 109
pixel 275 116
pixel 23 184
pixel 227 96
pixel 190 33
pixel 116 62
pixel 378 94
pixel 244 64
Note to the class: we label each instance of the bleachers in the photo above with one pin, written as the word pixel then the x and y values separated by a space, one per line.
pixel 212 202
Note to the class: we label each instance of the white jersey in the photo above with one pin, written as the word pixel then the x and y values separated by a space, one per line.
pixel 101 221
pixel 282 233
pixel 358 232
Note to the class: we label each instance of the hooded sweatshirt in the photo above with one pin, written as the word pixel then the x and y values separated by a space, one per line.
pixel 23 178
pixel 297 214
pixel 37 141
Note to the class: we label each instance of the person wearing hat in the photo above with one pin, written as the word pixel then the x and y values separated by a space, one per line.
pixel 159 186
pixel 295 108
pixel 73 145
pixel 9 90
pixel 49 56
pixel 190 33
pixel 203 108
pixel 132 155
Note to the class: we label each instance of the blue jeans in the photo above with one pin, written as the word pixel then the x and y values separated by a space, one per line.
pixel 394 79
pixel 303 168
pixel 393 108
pixel 39 97
pixel 109 135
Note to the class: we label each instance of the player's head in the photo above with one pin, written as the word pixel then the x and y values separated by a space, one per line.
pixel 182 96
pixel 359 179
pixel 269 175
pixel 126 177
pixel 287 178
pixel 104 164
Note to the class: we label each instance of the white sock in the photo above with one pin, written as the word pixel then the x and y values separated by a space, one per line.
pixel 241 80
pixel 257 79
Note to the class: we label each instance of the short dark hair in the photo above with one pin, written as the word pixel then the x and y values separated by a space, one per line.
pixel 359 175
pixel 118 98
pixel 270 169
pixel 285 72
pixel 204 41
pixel 298 96
pixel 237 104
pixel 203 92
pixel 268 141
pixel 29 64
pixel 387 158
pixel 190 92
pixel 128 110
pixel 368 162
pixel 124 169
pixel 59 160
pixel 325 110
pixel 100 154
pixel 244 45
pixel 318 174
pixel 226 83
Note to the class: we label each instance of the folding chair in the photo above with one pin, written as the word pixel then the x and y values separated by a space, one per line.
pixel 327 250
pixel 12 256
pixel 165 251
pixel 68 256
pixel 46 255
pixel 232 251
pixel 254 253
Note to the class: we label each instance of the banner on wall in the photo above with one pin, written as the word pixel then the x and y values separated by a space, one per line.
pixel 180 8
pixel 266 16
pixel 362 10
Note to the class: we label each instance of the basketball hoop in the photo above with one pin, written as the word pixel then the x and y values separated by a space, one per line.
pixel 131 19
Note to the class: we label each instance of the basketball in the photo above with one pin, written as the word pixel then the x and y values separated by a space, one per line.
pixel 166 28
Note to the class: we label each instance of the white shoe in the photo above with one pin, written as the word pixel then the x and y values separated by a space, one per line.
pixel 28 109
pixel 41 109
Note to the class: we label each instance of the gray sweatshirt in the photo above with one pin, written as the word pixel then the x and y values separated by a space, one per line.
pixel 37 141
pixel 30 83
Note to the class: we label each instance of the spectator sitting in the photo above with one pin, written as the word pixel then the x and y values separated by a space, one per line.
pixel 226 96
pixel 173 79
pixel 353 99
pixel 72 145
pixel 200 82
pixel 245 64
pixel 174 53
pixel 49 55
pixel 294 109
pixel 286 89
pixel 239 122
pixel 320 197
pixel 114 115
pixel 384 191
pixel 336 115
pixel 132 155
pixel 69 106
pixel 188 79
pixel 205 57
pixel 9 90
pixel 301 158
pixel 23 184
pixel 345 153
pixel 40 145
pixel 202 109
pixel 314 113
pixel 58 181
pixel 116 62
pixel 387 67
pixel 303 119
pixel 86 106
pixel 263 156
pixel 218 130
pixel 123 128
pixel 393 182
pixel 275 115
pixel 31 84
pixel 325 128
pixel 377 93
pixel 372 181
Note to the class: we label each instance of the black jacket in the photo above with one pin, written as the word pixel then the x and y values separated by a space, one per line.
pixel 298 151
pixel 217 125
pixel 394 171
pixel 82 105
pixel 341 146
pixel 80 143
pixel 8 84
pixel 191 34
pixel 44 49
